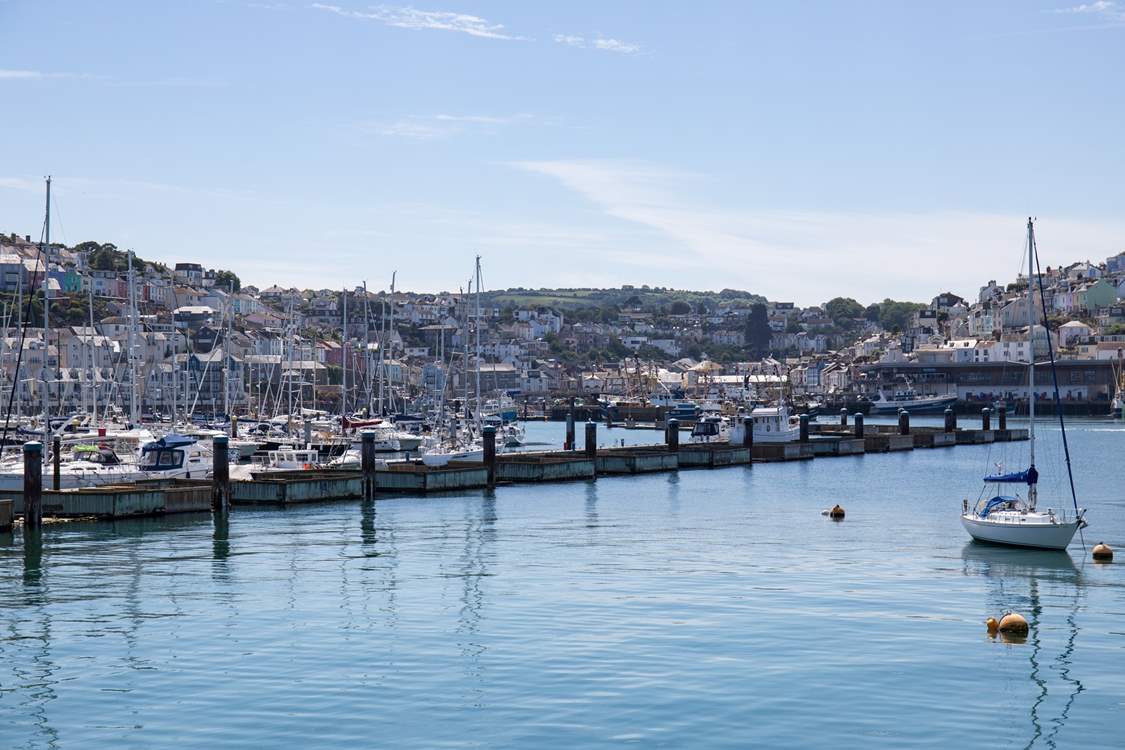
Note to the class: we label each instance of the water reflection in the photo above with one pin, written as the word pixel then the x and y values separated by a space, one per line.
pixel 32 563
pixel 37 677
pixel 480 533
pixel 1016 577
pixel 367 535
pixel 591 505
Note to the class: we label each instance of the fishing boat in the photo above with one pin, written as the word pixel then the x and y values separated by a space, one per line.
pixel 1015 520
pixel 910 400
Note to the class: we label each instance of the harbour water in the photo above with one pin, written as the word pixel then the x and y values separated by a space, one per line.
pixel 692 609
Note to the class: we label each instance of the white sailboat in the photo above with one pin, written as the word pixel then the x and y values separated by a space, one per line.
pixel 1015 520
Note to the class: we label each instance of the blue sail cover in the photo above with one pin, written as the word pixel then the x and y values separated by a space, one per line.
pixel 1029 476
pixel 171 440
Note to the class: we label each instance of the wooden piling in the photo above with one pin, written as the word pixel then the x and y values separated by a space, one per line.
pixel 570 444
pixel 33 485
pixel 490 454
pixel 56 467
pixel 986 419
pixel 858 421
pixel 950 420
pixel 903 422
pixel 748 432
pixel 220 475
pixel 591 439
pixel 673 434
pixel 843 417
pixel 803 435
pixel 1002 417
pixel 234 426
pixel 367 463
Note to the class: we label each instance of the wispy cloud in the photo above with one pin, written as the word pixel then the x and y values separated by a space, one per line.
pixel 20 183
pixel 832 252
pixel 607 44
pixel 36 75
pixel 1101 8
pixel 429 127
pixel 405 17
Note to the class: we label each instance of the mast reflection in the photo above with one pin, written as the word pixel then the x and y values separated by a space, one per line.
pixel 1023 579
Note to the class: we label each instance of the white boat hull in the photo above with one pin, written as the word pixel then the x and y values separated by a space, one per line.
pixel 1035 535
pixel 441 459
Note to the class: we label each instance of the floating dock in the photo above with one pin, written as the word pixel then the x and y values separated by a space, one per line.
pixel 817 440
pixel 293 487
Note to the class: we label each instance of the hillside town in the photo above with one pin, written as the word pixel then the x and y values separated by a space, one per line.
pixel 204 342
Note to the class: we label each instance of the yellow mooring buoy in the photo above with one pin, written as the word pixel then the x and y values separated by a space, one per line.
pixel 1013 624
pixel 837 513
pixel 992 625
pixel 1103 552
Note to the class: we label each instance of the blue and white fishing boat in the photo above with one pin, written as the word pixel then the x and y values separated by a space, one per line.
pixel 1015 520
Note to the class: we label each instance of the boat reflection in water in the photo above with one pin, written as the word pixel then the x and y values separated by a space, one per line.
pixel 1043 586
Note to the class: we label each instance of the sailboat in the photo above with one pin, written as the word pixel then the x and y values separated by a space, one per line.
pixel 1010 519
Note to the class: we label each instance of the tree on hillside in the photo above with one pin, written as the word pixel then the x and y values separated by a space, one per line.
pixel 679 307
pixel 758 329
pixel 843 311
pixel 227 280
pixel 895 315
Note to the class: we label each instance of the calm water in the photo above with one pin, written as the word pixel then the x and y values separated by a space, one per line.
pixel 699 609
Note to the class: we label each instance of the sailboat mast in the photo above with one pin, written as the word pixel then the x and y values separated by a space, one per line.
pixel 477 346
pixel 134 415
pixel 46 318
pixel 344 356
pixel 1031 340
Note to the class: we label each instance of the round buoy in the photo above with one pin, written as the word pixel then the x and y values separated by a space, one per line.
pixel 992 625
pixel 837 513
pixel 1013 624
pixel 1103 552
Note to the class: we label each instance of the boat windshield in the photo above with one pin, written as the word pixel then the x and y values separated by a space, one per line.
pixel 164 458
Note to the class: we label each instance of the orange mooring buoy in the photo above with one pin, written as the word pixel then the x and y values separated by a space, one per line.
pixel 992 625
pixel 1103 552
pixel 1013 624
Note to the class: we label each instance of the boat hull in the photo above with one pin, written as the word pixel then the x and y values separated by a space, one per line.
pixel 1055 536
pixel 918 405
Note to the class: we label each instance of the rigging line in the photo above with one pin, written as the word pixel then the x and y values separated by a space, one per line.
pixel 1054 377
pixel 23 336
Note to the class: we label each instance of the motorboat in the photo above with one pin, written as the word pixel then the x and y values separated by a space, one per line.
pixel 176 457
pixel 910 400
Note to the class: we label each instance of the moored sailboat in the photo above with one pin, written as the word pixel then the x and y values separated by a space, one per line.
pixel 1015 520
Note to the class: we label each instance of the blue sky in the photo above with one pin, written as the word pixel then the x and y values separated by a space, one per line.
pixel 799 149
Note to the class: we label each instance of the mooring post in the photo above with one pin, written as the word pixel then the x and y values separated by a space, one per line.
pixel 804 434
pixel 858 421
pixel 1002 417
pixel 308 434
pixel 234 426
pixel 844 416
pixel 903 422
pixel 367 463
pixel 673 434
pixel 490 454
pixel 591 439
pixel 56 469
pixel 950 420
pixel 570 444
pixel 748 432
pixel 986 419
pixel 33 485
pixel 220 475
